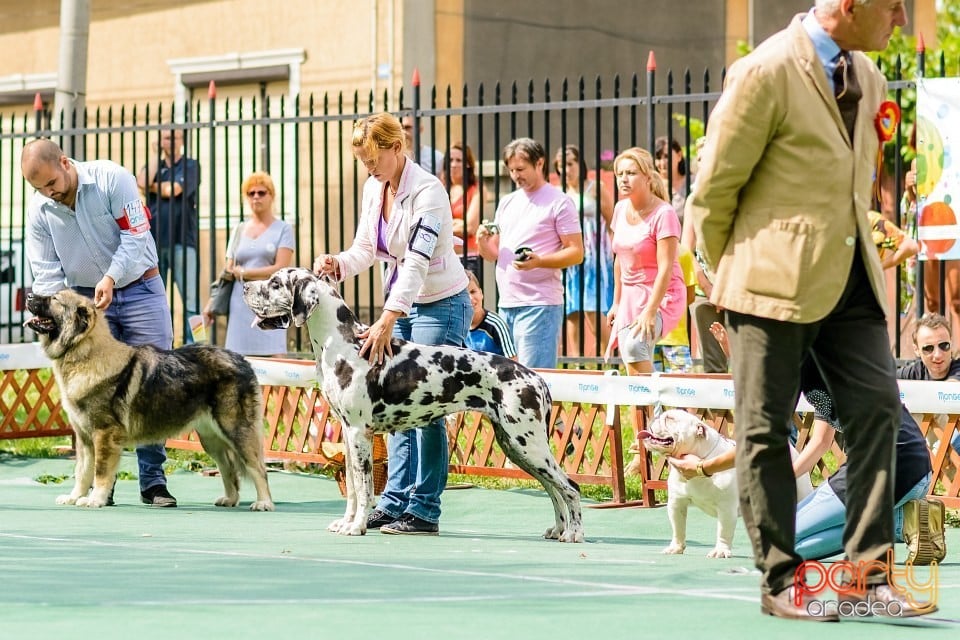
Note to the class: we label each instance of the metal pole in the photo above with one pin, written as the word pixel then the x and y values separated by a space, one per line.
pixel 70 97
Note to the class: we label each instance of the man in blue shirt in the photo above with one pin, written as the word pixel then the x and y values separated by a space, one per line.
pixel 171 194
pixel 87 230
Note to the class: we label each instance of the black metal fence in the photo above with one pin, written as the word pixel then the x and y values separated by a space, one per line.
pixel 304 144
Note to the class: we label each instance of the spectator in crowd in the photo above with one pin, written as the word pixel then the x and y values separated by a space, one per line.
pixel 488 331
pixel 87 230
pixel 674 171
pixel 799 277
pixel 588 286
pixel 170 188
pixel 430 158
pixel 261 245
pixel 672 353
pixel 405 220
pixel 466 203
pixel 933 341
pixel 703 312
pixel 649 294
pixel 539 235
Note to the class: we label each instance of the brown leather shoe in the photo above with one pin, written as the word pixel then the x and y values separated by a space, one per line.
pixel 781 605
pixel 882 600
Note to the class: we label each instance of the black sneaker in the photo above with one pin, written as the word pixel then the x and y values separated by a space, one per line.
pixel 411 525
pixel 379 518
pixel 158 496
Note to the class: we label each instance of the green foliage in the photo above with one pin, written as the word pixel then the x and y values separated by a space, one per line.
pixel 46 478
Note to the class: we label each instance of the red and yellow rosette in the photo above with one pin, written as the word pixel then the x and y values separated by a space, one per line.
pixel 885 122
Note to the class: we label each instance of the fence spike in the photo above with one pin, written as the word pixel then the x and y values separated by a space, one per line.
pixel 651 61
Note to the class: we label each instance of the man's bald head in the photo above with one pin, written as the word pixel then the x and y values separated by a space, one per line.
pixel 39 153
pixel 49 171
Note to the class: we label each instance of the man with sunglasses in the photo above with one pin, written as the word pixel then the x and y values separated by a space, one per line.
pixel 87 230
pixel 933 343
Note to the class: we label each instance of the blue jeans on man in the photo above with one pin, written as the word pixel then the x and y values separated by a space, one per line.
pixel 536 333
pixel 138 315
pixel 418 459
pixel 184 265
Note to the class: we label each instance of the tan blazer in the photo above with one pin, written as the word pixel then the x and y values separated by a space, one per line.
pixel 780 203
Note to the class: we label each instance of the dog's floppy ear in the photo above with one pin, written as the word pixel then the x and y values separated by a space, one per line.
pixel 701 429
pixel 306 296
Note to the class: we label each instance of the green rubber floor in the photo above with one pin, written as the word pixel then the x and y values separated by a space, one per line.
pixel 198 571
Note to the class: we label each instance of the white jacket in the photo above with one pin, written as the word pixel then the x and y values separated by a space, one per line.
pixel 419 240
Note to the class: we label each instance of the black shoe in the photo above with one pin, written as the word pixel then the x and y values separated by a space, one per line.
pixel 411 525
pixel 379 518
pixel 158 496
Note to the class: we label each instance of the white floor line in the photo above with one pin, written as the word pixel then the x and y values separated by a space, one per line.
pixel 600 589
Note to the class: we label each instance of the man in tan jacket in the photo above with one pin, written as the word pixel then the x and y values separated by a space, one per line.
pixel 780 208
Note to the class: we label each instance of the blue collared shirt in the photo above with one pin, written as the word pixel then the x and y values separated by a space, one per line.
pixel 827 50
pixel 107 232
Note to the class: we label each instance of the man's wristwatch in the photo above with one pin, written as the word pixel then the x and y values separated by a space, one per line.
pixel 700 471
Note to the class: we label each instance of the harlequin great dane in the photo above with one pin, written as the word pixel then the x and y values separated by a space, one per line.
pixel 415 386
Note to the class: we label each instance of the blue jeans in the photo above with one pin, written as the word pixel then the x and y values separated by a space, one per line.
pixel 821 518
pixel 536 333
pixel 139 314
pixel 184 265
pixel 418 459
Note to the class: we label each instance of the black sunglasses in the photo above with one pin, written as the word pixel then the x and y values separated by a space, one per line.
pixel 928 348
pixel 257 193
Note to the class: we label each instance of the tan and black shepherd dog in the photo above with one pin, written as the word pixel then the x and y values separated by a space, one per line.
pixel 117 395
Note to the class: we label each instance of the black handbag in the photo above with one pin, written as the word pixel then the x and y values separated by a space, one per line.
pixel 222 288
pixel 220 291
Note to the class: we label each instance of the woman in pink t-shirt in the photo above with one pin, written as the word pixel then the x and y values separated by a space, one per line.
pixel 649 295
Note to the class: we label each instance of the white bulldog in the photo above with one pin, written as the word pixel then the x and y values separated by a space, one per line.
pixel 677 433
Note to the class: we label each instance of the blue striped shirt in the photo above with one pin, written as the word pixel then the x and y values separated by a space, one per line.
pixel 107 232
pixel 492 335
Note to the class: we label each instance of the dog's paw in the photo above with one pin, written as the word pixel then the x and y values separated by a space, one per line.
pixel 335 525
pixel 68 498
pixel 262 505
pixel 356 528
pixel 553 533
pixel 90 502
pixel 224 501
pixel 720 551
pixel 571 536
pixel 674 549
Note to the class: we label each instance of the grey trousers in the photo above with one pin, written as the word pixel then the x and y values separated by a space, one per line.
pixel 704 313
pixel 851 349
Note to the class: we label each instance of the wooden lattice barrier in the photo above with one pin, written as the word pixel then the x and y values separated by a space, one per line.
pixel 586 434
pixel 30 405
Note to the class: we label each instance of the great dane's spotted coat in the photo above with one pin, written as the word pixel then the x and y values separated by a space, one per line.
pixel 415 386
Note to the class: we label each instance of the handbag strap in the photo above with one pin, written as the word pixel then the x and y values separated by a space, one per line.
pixel 231 246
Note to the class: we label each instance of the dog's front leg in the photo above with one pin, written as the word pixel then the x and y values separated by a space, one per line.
pixel 359 470
pixel 82 471
pixel 106 460
pixel 340 525
pixel 677 512
pixel 726 524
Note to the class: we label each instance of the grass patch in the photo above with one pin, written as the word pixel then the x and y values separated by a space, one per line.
pixel 36 447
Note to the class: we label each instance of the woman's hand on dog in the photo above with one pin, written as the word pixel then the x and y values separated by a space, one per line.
pixel 686 465
pixel 377 338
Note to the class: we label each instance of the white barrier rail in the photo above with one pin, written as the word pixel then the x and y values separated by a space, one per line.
pixel 669 390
